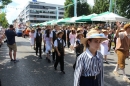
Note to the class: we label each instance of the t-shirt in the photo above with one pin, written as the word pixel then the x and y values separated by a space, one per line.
pixel 10 34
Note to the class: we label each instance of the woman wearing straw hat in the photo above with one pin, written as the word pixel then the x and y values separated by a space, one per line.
pixel 89 65
pixel 72 37
pixel 104 46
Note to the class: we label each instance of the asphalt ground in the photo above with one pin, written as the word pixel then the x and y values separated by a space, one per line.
pixel 32 71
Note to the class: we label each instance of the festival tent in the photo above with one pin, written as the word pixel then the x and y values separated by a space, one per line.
pixel 85 18
pixel 62 21
pixel 109 17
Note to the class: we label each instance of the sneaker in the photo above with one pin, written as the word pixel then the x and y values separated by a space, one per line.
pixel 55 68
pixel 63 72
pixel 11 60
pixel 126 79
pixel 49 61
pixel 16 61
pixel 106 62
pixel 116 73
pixel 40 57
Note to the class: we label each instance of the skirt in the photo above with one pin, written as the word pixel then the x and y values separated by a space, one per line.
pixel 32 41
pixel 48 47
pixel 88 81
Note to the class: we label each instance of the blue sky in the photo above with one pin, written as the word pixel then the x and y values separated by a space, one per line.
pixel 14 8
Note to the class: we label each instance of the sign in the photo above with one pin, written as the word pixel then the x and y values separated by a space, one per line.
pixel 34 0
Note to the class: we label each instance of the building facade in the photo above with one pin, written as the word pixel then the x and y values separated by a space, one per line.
pixel 38 12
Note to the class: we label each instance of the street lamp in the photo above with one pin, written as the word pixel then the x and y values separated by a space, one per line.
pixel 75 8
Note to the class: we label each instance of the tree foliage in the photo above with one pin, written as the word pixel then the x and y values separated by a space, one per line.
pixel 83 8
pixel 123 8
pixel 3 20
pixel 4 2
pixel 100 6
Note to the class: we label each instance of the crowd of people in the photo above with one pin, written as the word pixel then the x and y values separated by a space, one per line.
pixel 91 43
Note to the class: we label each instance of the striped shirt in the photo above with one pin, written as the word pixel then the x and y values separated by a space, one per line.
pixel 88 65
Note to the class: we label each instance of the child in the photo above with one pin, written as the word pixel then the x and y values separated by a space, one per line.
pixel 59 45
pixel 89 65
pixel 78 46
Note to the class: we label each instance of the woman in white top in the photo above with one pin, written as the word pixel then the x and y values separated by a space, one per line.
pixel 104 46
pixel 31 35
pixel 72 37
pixel 48 44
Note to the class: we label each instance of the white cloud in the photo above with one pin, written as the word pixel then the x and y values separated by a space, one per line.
pixel 13 9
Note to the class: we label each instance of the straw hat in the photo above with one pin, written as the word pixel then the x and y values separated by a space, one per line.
pixel 59 32
pixel 93 34
pixel 122 30
pixel 79 29
pixel 104 30
pixel 126 26
pixel 72 29
pixel 79 34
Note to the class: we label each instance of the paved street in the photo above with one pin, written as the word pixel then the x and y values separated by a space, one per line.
pixel 31 71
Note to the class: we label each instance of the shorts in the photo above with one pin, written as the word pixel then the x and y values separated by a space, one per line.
pixel 122 55
pixel 12 47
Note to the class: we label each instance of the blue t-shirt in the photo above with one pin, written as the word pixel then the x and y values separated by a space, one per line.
pixel 10 34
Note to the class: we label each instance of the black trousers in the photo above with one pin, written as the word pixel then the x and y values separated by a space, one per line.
pixel 44 48
pixel 74 65
pixel 60 59
pixel 68 43
pixel 38 46
pixel 54 55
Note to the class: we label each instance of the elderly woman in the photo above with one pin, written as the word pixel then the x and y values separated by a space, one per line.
pixel 89 65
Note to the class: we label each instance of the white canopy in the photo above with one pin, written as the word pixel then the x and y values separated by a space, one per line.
pixel 109 17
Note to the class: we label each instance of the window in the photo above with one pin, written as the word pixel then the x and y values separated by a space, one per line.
pixel 61 13
pixel 34 6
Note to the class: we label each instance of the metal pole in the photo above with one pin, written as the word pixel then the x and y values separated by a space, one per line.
pixel 75 8
pixel 115 7
pixel 57 13
pixel 110 6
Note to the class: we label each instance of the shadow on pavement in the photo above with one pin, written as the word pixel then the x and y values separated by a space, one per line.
pixel 111 79
pixel 31 71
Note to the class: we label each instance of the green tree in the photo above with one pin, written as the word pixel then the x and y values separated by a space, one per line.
pixel 83 8
pixel 123 8
pixel 4 2
pixel 100 6
pixel 3 20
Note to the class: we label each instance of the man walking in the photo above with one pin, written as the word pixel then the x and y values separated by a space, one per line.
pixel 10 34
pixel 38 42
pixel 122 49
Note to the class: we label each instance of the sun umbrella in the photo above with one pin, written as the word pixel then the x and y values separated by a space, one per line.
pixel 85 18
pixel 63 21
pixel 72 20
pixel 109 17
